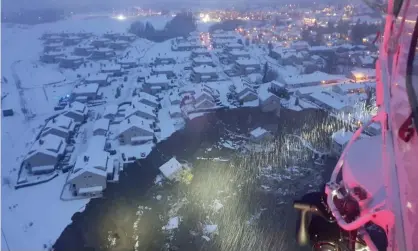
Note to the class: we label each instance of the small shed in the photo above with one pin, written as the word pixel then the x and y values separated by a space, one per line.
pixel 171 168
pixel 259 134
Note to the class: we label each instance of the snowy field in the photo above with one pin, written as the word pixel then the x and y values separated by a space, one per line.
pixel 34 217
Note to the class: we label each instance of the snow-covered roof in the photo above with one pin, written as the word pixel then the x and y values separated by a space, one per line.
pixel 355 86
pixel 60 121
pixel 170 167
pixel 174 97
pixel 94 189
pixel 313 77
pixel 101 124
pixel 49 144
pixel 202 59
pixel 200 50
pixel 78 107
pixel 96 142
pixel 202 92
pixel 92 162
pixel 364 71
pixel 342 136
pixel 247 62
pixel 234 45
pixel 111 109
pixel 137 105
pixel 103 50
pixel 127 61
pixel 239 53
pixel 72 58
pixel 157 79
pixel 202 69
pixel 259 131
pixel 203 101
pixel 147 96
pixel 164 68
pixel 98 77
pixel 111 67
pixel 240 87
pixel 121 42
pixel 326 98
pixel 86 88
pixel 135 121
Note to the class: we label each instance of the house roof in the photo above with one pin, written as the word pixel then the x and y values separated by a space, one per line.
pixel 263 93
pixel 170 167
pixel 49 144
pixel 313 77
pixel 164 68
pixel 96 164
pixel 109 67
pixel 157 79
pixel 60 121
pixel 174 109
pixel 239 53
pixel 342 136
pixel 138 105
pixel 174 97
pixel 101 124
pixel 77 107
pixel 259 131
pixel 149 97
pixel 199 104
pixel 86 88
pixel 246 62
pixel 204 69
pixel 96 143
pixel 202 59
pixel 329 99
pixel 135 121
pixel 202 92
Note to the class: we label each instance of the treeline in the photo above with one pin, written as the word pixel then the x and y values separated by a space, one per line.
pixel 227 25
pixel 180 26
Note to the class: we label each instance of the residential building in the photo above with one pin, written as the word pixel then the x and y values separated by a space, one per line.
pixel 100 42
pixel 233 46
pixel 128 63
pixel 72 62
pixel 134 129
pixel 246 66
pixel 102 54
pixel 72 40
pixel 45 154
pixel 119 45
pixel 77 111
pixel 147 99
pixel 89 175
pixel 200 52
pixel 83 50
pixel 204 104
pixel 101 79
pixel 86 92
pixel 160 60
pixel 101 127
pixel 350 88
pixel 171 169
pixel 238 54
pixel 141 110
pixel 61 126
pixel 110 112
pixel 53 47
pixel 203 73
pixel 112 69
pixel 362 74
pixel 340 140
pixel 52 57
pixel 269 102
pixel 175 99
pixel 260 134
pixel 186 46
pixel 127 37
pixel 167 70
pixel 333 103
pixel 201 60
pixel 245 93
pixel 160 81
pixel 316 78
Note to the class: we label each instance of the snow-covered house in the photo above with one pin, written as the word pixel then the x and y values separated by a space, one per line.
pixel 348 88
pixel 86 92
pixel 161 60
pixel 83 50
pixel 100 42
pixel 147 99
pixel 175 111
pixel 246 66
pixel 102 54
pixel 72 62
pixel 171 169
pixel 245 93
pixel 233 46
pixel 200 52
pixel 61 126
pixel 155 83
pixel 128 63
pixel 134 130
pixel 110 112
pixel 201 94
pixel 201 60
pixel 238 54
pixel 340 140
pixel 113 69
pixel 269 102
pixel 45 154
pixel 260 134
pixel 362 74
pixel 72 40
pixel 77 111
pixel 203 73
pixel 89 175
pixel 127 37
pixel 53 47
pixel 142 110
pixel 204 104
pixel 119 45
pixel 316 78
pixel 186 46
pixel 52 57
pixel 101 127
pixel 168 70
pixel 334 103
pixel 102 79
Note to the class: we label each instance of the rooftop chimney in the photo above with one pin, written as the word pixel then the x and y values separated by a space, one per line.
pixel 41 141
pixel 86 158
